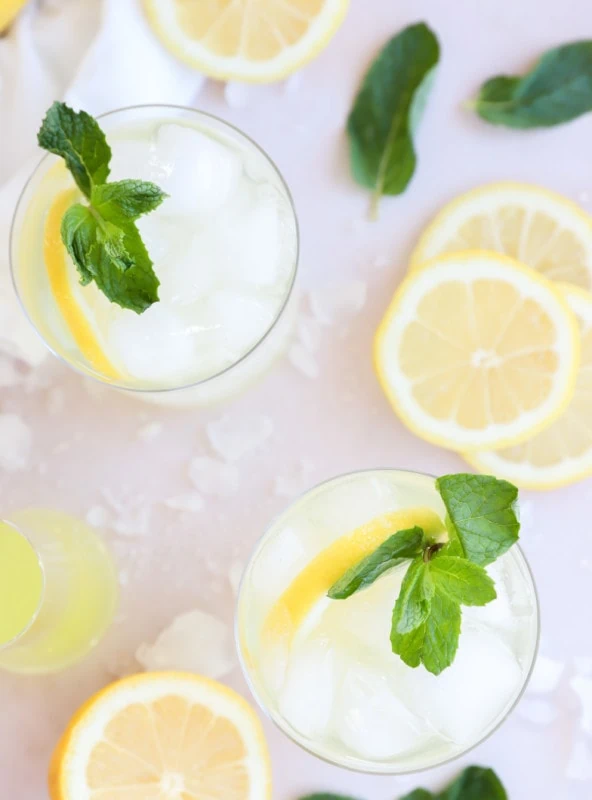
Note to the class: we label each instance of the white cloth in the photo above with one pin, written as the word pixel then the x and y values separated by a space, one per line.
pixel 97 55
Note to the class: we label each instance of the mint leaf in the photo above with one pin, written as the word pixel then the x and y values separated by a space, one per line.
pixel 387 109
pixel 475 783
pixel 434 642
pixel 481 514
pixel 123 201
pixel 414 600
pixel 464 582
pixel 556 90
pixel 404 544
pixel 78 139
pixel 102 239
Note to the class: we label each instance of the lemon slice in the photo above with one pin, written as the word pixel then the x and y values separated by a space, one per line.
pixel 8 11
pixel 160 736
pixel 313 582
pixel 561 453
pixel 477 352
pixel 535 226
pixel 258 41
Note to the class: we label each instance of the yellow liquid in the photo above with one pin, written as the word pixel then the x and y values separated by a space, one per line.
pixel 80 594
pixel 21 583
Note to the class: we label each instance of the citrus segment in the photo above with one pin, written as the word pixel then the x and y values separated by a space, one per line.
pixel 561 453
pixel 162 735
pixel 314 581
pixel 474 349
pixel 540 228
pixel 251 41
pixel 60 274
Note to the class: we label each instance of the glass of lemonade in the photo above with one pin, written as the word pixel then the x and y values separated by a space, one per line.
pixel 324 670
pixel 224 244
pixel 58 591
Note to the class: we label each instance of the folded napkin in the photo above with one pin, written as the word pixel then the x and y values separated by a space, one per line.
pixel 96 54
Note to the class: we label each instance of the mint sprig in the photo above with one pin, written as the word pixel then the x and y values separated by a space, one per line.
pixel 442 577
pixel 102 237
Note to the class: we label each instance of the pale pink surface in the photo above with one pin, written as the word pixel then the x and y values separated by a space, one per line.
pixel 338 422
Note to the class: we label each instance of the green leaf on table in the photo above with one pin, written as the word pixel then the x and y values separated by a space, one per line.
pixel 384 118
pixel 558 89
pixel 79 140
pixel 481 514
pixel 474 783
pixel 397 548
pixel 463 581
pixel 102 238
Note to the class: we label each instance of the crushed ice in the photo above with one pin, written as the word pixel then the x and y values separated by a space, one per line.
pixel 233 438
pixel 194 642
pixel 15 443
pixel 214 477
pixel 335 302
pixel 303 360
pixel 150 431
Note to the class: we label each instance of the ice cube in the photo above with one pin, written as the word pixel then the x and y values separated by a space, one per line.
pixel 335 302
pixel 164 244
pixel 579 766
pixel 370 719
pixel 150 431
pixel 278 563
pixel 15 443
pixel 309 333
pixel 546 675
pixel 211 476
pixel 539 712
pixel 201 172
pixel 191 501
pixel 156 346
pixel 135 158
pixel 243 319
pixel 232 438
pixel 583 688
pixel 191 274
pixel 307 697
pixel 304 361
pixel 251 248
pixel 468 698
pixel 99 517
pixel 194 642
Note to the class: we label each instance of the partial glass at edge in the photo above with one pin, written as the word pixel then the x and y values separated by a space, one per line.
pixel 432 719
pixel 27 236
pixel 60 591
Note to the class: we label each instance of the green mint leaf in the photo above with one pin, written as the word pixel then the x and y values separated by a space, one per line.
pixel 475 783
pixel 79 234
pixel 78 139
pixel 558 89
pixel 433 643
pixel 481 514
pixel 464 582
pixel 387 109
pixel 404 544
pixel 123 201
pixel 412 607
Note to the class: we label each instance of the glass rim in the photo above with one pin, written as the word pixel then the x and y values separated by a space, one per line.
pixel 279 721
pixel 4 646
pixel 95 376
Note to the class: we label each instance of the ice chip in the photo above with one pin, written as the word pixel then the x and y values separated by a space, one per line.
pixel 278 563
pixel 232 438
pixel 370 719
pixel 309 333
pixel 469 697
pixel 134 158
pixel 202 172
pixel 15 443
pixel 211 476
pixel 335 302
pixel 155 346
pixel 348 505
pixel 194 642
pixel 243 319
pixel 307 697
pixel 579 766
pixel 192 274
pixel 583 688
pixel 150 431
pixel 546 675
pixel 99 517
pixel 539 712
